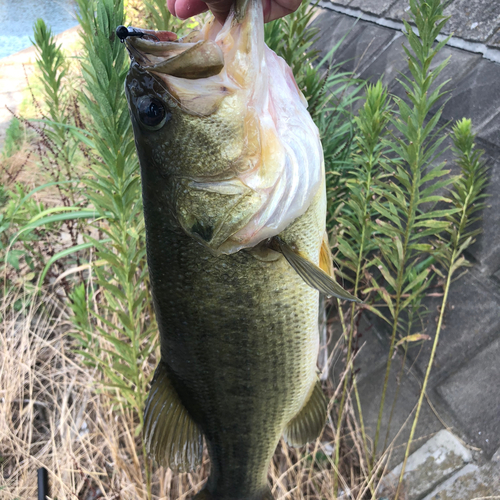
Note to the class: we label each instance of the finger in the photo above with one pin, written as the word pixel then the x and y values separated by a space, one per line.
pixel 171 6
pixel 274 9
pixel 220 8
pixel 183 9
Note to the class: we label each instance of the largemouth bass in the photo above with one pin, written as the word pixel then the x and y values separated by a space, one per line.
pixel 235 207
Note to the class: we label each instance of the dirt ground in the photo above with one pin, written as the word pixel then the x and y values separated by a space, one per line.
pixel 14 71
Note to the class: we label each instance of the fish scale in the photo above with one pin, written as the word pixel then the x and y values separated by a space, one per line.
pixel 242 359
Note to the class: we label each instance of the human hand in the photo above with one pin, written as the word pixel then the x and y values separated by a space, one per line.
pixel 273 9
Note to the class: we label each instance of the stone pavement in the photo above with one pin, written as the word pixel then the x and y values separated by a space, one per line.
pixel 441 470
pixel 472 20
pixel 464 389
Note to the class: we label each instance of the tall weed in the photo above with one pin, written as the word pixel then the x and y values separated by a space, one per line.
pixel 468 199
pixel 416 176
pixel 355 240
pixel 58 147
pixel 123 320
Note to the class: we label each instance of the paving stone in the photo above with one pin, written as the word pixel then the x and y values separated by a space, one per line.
pixel 473 395
pixel 476 95
pixel 475 20
pixel 471 482
pixel 378 7
pixel 407 392
pixel 359 40
pixel 371 347
pixel 343 3
pixel 471 321
pixel 490 132
pixel 366 42
pixel 399 11
pixel 496 277
pixel 334 29
pixel 494 41
pixel 431 464
pixel 389 62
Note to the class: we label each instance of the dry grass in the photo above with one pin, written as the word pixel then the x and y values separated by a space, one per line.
pixel 53 414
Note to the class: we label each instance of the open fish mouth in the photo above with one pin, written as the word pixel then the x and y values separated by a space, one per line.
pixel 190 57
pixel 257 161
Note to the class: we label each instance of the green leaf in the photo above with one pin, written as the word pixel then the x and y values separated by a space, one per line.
pixel 416 281
pixel 65 253
pixel 12 258
pixel 83 214
pixel 125 370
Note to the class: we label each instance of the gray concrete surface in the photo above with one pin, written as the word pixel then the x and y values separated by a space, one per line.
pixel 434 462
pixel 474 20
pixel 470 483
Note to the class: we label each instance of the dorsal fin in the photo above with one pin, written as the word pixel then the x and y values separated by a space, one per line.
pixel 314 276
pixel 325 257
pixel 172 437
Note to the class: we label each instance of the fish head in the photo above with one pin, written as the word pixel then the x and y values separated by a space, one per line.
pixel 186 129
pixel 221 126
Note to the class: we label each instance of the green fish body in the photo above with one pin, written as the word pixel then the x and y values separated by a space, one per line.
pixel 235 206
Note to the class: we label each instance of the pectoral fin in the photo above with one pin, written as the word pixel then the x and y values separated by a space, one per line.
pixel 172 437
pixel 314 276
pixel 308 424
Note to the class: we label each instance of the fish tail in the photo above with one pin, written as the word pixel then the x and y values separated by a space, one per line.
pixel 206 495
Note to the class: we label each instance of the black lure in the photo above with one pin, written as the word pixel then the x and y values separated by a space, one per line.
pixel 122 32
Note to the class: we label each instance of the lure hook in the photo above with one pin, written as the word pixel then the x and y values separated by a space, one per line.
pixel 123 32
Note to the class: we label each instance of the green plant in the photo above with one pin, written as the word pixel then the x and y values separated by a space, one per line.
pixel 467 198
pixel 53 67
pixel 123 317
pixel 80 306
pixel 355 243
pixel 60 147
pixel 161 18
pixel 13 138
pixel 24 245
pixel 414 180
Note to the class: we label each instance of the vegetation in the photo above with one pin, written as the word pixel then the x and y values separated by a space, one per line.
pixel 78 334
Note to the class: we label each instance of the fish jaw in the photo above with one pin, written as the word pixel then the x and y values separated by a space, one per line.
pixel 269 163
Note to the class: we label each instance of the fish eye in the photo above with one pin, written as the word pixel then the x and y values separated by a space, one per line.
pixel 152 112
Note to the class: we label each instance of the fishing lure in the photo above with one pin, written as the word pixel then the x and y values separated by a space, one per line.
pixel 123 32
